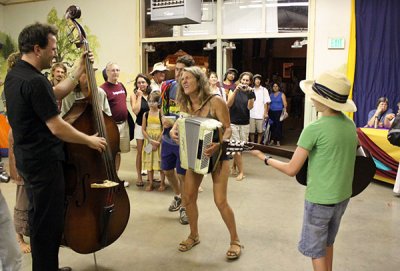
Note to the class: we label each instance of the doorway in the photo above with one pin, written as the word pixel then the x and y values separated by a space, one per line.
pixel 274 59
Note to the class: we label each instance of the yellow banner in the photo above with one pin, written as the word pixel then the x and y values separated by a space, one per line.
pixel 351 60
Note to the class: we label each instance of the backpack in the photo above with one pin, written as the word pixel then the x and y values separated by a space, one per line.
pixel 146 114
pixel 394 131
pixel 165 87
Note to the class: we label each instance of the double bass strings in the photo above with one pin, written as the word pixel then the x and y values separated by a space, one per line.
pixel 100 124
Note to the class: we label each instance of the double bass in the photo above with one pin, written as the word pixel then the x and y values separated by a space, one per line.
pixel 98 206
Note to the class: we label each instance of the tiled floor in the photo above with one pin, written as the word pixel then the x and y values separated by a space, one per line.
pixel 268 207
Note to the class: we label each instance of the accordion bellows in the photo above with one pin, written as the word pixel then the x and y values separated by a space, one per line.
pixel 195 134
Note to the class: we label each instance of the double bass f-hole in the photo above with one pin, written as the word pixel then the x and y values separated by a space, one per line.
pixel 97 203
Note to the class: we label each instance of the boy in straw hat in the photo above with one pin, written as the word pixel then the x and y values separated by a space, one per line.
pixel 330 145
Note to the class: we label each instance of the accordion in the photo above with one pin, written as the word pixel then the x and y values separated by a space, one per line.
pixel 195 134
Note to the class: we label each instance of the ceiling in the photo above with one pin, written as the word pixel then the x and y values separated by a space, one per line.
pixel 16 2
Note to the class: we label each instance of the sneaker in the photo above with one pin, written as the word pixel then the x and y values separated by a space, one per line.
pixel 183 218
pixel 175 204
pixel 126 183
pixel 4 177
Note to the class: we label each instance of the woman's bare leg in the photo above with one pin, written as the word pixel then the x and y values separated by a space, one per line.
pixel 220 186
pixel 190 198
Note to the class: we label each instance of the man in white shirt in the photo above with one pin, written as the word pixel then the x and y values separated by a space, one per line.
pixel 158 73
pixel 260 110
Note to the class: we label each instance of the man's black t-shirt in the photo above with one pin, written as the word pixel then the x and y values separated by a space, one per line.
pixel 30 103
pixel 239 113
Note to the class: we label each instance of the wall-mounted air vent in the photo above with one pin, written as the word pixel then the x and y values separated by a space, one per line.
pixel 176 12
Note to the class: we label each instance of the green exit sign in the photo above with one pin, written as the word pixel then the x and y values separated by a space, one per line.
pixel 335 43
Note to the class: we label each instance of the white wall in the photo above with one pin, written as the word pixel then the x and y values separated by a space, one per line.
pixel 327 19
pixel 332 19
pixel 116 27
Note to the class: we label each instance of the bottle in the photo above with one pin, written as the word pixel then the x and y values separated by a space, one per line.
pixel 376 122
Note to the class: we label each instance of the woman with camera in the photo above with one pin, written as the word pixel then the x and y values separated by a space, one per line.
pixel 240 102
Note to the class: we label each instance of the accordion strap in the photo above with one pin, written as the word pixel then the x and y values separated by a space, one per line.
pixel 204 103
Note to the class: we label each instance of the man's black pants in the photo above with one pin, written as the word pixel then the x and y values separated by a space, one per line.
pixel 46 192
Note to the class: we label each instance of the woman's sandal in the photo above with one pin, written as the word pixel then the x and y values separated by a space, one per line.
pixel 234 254
pixel 188 243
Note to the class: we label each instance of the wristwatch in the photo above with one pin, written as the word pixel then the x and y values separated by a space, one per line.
pixel 266 159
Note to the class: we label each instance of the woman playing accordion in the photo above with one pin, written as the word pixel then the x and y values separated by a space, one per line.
pixel 195 99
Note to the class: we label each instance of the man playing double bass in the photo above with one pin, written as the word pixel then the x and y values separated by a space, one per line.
pixel 39 133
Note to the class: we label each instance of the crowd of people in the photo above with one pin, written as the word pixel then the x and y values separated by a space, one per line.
pixel 36 106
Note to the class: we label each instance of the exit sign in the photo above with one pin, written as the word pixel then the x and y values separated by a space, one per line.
pixel 335 43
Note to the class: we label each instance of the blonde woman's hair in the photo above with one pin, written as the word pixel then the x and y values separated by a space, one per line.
pixel 12 60
pixel 203 89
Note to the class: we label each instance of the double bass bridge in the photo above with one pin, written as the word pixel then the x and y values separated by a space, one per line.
pixel 104 184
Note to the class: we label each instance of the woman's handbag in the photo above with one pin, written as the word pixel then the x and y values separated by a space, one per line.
pixel 131 124
pixel 284 115
pixel 267 131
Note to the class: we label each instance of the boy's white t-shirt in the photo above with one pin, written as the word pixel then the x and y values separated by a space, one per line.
pixel 262 97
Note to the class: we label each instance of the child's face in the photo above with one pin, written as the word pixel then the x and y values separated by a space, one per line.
pixel 153 104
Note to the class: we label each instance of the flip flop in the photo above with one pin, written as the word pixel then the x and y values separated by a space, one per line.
pixel 139 184
pixel 240 178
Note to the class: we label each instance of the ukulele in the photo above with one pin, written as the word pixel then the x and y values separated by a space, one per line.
pixel 364 168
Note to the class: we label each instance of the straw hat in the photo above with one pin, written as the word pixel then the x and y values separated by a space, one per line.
pixel 159 67
pixel 331 89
